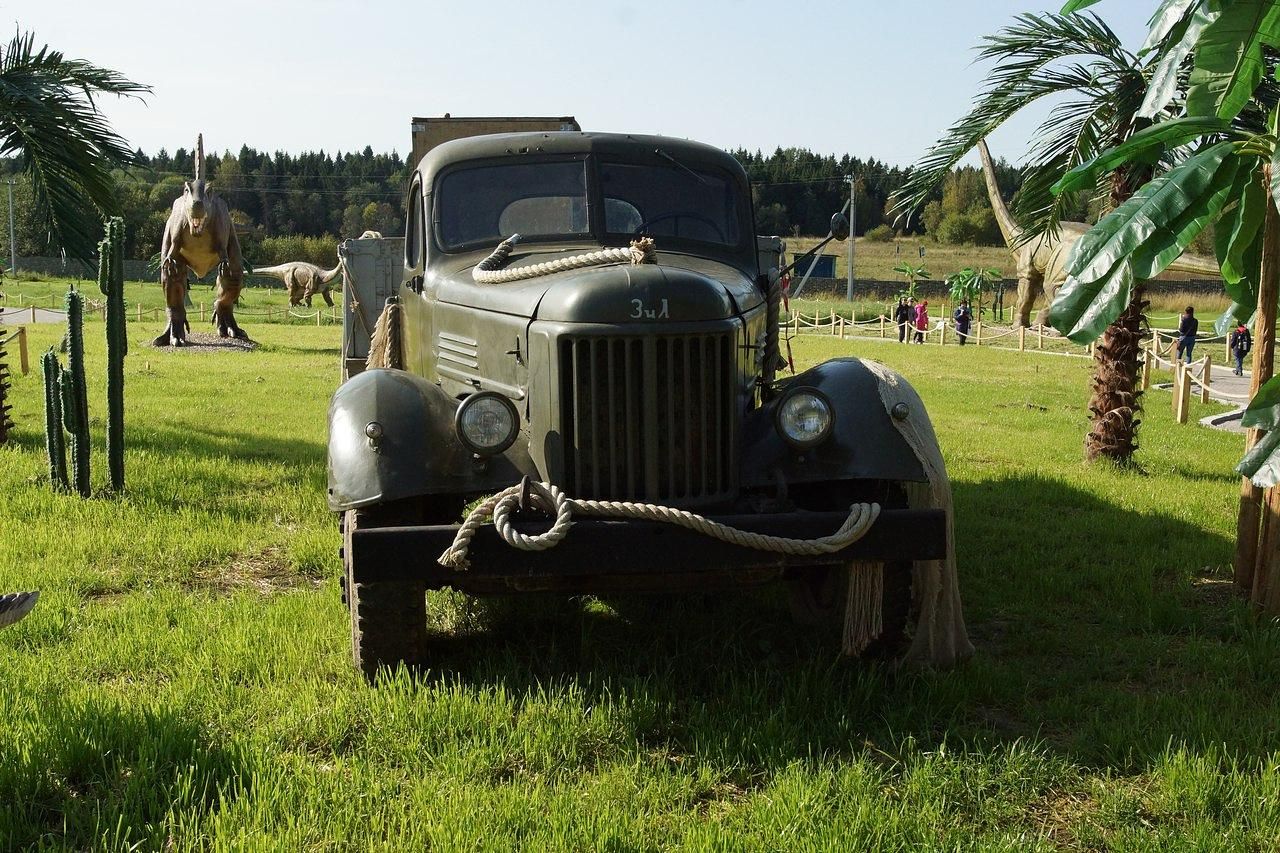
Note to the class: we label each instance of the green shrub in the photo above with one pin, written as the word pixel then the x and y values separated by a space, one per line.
pixel 321 251
pixel 880 234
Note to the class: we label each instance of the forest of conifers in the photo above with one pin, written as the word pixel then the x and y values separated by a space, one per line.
pixel 298 206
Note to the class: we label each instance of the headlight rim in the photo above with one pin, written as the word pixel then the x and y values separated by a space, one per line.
pixel 823 436
pixel 471 400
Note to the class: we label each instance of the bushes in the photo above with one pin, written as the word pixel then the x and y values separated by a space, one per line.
pixel 880 234
pixel 321 251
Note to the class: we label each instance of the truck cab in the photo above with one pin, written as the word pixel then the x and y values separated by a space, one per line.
pixel 527 348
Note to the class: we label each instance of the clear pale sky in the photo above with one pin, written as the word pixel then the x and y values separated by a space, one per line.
pixel 875 79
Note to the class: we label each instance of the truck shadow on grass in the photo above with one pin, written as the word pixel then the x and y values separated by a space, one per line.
pixel 92 774
pixel 1095 638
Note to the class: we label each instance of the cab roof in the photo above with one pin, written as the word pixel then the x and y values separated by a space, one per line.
pixel 516 145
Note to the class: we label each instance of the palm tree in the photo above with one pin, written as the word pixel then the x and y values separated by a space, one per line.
pixel 49 119
pixel 1047 55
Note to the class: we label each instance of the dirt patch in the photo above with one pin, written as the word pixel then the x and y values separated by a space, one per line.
pixel 1059 815
pixel 205 342
pixel 266 572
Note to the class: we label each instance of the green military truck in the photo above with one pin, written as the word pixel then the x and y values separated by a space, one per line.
pixel 620 345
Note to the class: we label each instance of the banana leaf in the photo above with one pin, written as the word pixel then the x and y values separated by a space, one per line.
pixel 1237 313
pixel 1237 231
pixel 1076 6
pixel 1263 411
pixel 1262 463
pixel 1145 146
pixel 1169 241
pixel 1229 61
pixel 1163 85
pixel 1083 309
pixel 1155 206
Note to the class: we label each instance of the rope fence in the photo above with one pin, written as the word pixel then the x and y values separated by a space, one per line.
pixel 95 310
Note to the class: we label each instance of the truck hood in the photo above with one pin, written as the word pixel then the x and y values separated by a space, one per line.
pixel 678 288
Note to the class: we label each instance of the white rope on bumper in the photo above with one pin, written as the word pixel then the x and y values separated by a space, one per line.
pixel 551 500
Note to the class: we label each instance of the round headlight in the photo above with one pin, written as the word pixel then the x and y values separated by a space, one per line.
pixel 487 423
pixel 805 418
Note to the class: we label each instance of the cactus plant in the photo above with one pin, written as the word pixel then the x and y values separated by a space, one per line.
pixel 75 398
pixel 111 283
pixel 5 423
pixel 55 444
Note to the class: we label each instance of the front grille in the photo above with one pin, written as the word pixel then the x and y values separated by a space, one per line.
pixel 648 418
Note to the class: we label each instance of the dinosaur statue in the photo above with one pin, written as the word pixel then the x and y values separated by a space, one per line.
pixel 199 236
pixel 1042 262
pixel 304 280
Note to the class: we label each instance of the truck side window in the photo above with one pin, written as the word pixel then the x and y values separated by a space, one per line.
pixel 413 228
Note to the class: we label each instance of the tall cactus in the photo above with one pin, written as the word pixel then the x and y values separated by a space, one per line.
pixel 55 444
pixel 5 423
pixel 111 283
pixel 75 398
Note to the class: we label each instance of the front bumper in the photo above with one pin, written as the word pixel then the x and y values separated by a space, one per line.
pixel 603 555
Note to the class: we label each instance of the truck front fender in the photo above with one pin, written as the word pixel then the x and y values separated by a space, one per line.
pixel 412 451
pixel 865 445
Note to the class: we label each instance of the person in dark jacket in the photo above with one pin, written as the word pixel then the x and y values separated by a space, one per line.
pixel 902 316
pixel 1241 342
pixel 1188 326
pixel 963 317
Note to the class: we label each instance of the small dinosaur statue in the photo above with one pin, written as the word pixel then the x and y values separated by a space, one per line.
pixel 304 280
pixel 199 236
pixel 1042 262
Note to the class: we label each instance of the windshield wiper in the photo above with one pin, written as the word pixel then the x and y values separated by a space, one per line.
pixel 665 156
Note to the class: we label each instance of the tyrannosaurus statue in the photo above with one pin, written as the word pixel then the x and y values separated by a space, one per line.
pixel 1042 262
pixel 303 280
pixel 199 236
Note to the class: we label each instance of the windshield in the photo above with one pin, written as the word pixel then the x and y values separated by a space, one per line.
pixel 670 200
pixel 481 205
pixel 487 204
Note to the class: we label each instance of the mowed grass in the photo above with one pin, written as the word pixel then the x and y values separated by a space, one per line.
pixel 185 682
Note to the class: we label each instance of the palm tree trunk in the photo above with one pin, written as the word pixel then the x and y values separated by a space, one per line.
pixel 1115 403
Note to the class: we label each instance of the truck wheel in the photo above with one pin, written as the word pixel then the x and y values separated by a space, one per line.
pixel 388 618
pixel 817 598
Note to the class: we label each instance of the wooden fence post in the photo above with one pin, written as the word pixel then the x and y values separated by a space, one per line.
pixel 1146 370
pixel 1184 394
pixel 1040 337
pixel 977 340
pixel 1022 338
pixel 1205 377
pixel 23 364
pixel 882 325
pixel 33 313
pixel 942 337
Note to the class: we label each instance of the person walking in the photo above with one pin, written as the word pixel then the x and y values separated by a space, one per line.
pixel 1188 326
pixel 902 316
pixel 963 317
pixel 1241 342
pixel 922 320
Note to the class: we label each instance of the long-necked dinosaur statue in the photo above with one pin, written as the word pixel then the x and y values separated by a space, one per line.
pixel 199 236
pixel 1042 262
pixel 303 280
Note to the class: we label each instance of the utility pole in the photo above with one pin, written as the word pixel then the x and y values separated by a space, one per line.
pixel 13 241
pixel 853 233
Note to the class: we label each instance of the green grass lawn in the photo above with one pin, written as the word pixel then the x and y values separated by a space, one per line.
pixel 186 683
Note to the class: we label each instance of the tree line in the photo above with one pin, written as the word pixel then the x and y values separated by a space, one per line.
pixel 299 206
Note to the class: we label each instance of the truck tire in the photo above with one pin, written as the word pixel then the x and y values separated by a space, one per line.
pixel 388 618
pixel 817 598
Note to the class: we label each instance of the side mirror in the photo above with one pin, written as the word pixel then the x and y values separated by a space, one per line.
pixel 839 226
